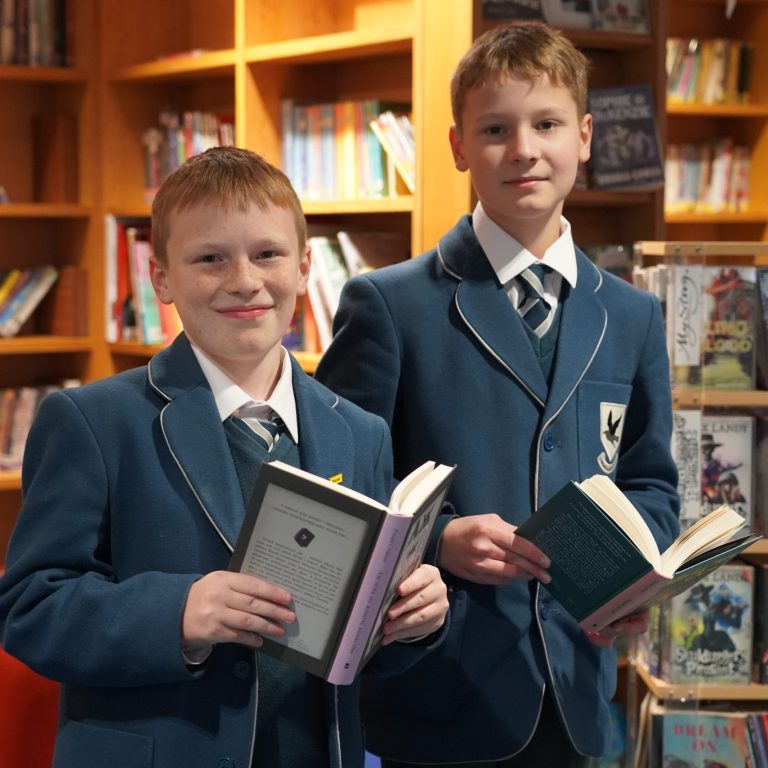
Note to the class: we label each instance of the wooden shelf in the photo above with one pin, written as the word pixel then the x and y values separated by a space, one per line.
pixel 10 479
pixel 598 40
pixel 607 198
pixel 742 217
pixel 400 204
pixel 194 64
pixel 334 47
pixel 37 345
pixel 712 398
pixel 701 691
pixel 44 211
pixel 13 73
pixel 134 349
pixel 717 110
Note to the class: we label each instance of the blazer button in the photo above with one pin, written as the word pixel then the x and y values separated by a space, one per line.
pixel 549 443
pixel 241 670
pixel 544 611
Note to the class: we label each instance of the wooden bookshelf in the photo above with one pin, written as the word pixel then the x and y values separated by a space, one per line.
pixel 701 691
pixel 747 123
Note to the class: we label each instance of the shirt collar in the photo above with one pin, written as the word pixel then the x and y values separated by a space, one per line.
pixel 230 397
pixel 508 258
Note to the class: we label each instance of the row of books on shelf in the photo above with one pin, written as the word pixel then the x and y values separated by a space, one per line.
pixel 712 177
pixel 715 319
pixel 18 406
pixel 21 293
pixel 179 136
pixel 630 16
pixel 715 632
pixel 337 256
pixel 133 311
pixel 352 149
pixel 36 32
pixel 702 735
pixel 708 71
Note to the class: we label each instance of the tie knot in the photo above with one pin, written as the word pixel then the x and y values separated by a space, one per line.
pixel 540 270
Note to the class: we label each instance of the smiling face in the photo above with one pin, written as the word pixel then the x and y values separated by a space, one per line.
pixel 234 276
pixel 522 142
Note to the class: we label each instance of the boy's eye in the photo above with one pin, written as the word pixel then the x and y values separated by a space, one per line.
pixel 547 125
pixel 266 255
pixel 494 130
pixel 208 258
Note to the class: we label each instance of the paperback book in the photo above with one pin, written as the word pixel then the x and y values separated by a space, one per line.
pixel 626 152
pixel 730 311
pixel 707 635
pixel 605 561
pixel 727 444
pixel 686 452
pixel 340 554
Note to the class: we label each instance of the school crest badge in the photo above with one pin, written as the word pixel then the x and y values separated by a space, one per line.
pixel 611 427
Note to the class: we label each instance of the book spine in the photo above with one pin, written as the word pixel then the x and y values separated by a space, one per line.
pixel 366 612
pixel 41 285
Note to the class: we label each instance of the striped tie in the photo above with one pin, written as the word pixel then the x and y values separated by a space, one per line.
pixel 533 308
pixel 267 430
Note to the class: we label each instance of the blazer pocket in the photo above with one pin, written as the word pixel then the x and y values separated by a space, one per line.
pixel 82 744
pixel 602 410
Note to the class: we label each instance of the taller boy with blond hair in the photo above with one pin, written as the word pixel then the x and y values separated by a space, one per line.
pixel 506 351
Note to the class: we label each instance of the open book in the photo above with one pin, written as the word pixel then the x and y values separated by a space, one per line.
pixel 340 554
pixel 605 561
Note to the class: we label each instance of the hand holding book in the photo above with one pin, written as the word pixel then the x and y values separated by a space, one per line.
pixel 605 561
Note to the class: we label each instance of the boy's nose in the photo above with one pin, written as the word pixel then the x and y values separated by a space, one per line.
pixel 244 276
pixel 521 146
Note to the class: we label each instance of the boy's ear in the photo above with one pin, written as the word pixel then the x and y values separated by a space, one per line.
pixel 305 264
pixel 457 147
pixel 159 281
pixel 586 138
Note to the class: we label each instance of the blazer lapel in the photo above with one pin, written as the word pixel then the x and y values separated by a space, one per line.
pixel 194 435
pixel 325 440
pixel 485 308
pixel 582 327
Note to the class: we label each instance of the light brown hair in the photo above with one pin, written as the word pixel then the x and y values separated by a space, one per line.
pixel 229 176
pixel 523 51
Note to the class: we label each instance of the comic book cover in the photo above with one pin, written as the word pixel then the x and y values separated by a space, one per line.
pixel 686 452
pixel 707 635
pixel 761 623
pixel 703 739
pixel 626 152
pixel 726 464
pixel 730 312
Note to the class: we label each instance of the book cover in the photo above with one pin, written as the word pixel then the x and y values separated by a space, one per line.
pixel 145 300
pixel 626 153
pixel 64 310
pixel 513 9
pixel 629 16
pixel 730 312
pixel 761 341
pixel 760 628
pixel 708 629
pixel 686 452
pixel 703 739
pixel 685 324
pixel 605 563
pixel 340 554
pixel 727 444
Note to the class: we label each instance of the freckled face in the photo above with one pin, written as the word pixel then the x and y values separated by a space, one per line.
pixel 522 142
pixel 234 277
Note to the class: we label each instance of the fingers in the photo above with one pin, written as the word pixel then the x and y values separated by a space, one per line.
pixel 234 607
pixel 486 550
pixel 633 624
pixel 420 610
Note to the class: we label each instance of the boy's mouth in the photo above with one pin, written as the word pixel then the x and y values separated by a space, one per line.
pixel 245 312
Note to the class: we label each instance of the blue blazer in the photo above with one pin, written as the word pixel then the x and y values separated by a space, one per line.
pixel 435 347
pixel 130 495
